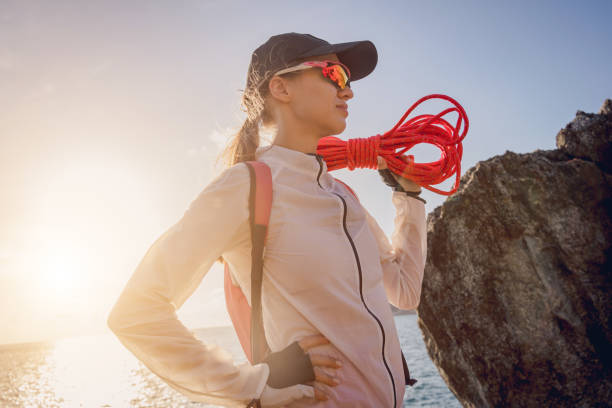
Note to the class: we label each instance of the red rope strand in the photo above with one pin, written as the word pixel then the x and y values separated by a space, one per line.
pixel 435 130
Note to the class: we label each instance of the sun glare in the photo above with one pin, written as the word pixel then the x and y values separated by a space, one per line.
pixel 60 273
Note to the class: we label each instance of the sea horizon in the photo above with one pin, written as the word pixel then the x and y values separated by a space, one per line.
pixel 97 370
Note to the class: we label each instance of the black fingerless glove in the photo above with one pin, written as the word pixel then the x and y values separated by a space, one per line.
pixel 389 180
pixel 289 366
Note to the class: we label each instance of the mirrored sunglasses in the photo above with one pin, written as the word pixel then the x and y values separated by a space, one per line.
pixel 335 71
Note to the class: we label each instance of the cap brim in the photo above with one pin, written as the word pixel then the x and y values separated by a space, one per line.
pixel 359 56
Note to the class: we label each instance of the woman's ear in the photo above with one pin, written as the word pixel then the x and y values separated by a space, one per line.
pixel 280 89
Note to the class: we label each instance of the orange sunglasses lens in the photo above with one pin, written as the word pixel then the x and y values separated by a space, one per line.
pixel 338 75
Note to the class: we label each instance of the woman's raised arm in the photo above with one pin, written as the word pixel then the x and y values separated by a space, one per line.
pixel 403 261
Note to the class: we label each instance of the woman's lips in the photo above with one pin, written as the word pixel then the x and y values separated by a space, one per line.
pixel 344 108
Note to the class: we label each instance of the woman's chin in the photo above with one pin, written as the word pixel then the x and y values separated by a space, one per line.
pixel 340 128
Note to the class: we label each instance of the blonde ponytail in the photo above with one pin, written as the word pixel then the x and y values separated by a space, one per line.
pixel 243 144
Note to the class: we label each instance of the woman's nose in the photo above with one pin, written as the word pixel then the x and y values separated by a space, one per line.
pixel 346 93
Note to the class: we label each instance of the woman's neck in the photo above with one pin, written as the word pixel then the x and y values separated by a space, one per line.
pixel 303 140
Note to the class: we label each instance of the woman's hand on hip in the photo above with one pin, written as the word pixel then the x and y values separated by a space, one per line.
pixel 320 361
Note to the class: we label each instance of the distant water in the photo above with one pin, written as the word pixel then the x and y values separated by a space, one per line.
pixel 97 371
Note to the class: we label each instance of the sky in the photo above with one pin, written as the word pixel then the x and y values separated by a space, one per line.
pixel 112 114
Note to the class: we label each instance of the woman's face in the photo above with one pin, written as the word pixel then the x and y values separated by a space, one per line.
pixel 316 102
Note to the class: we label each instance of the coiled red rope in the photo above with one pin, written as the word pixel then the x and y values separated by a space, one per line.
pixel 435 130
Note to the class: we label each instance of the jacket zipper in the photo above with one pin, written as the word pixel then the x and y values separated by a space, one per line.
pixel 361 280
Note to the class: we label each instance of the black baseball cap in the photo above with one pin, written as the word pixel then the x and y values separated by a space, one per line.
pixel 282 50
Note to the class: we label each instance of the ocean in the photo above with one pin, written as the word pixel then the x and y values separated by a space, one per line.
pixel 97 371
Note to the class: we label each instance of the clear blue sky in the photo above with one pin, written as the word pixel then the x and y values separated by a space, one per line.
pixel 111 113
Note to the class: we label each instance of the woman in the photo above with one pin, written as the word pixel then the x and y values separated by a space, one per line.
pixel 329 269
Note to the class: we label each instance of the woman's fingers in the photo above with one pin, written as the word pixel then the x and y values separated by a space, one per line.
pixel 319 360
pixel 325 378
pixel 320 395
pixel 312 341
pixel 324 361
pixel 322 377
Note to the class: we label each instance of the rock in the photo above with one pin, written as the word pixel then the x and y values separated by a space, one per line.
pixel 589 137
pixel 516 303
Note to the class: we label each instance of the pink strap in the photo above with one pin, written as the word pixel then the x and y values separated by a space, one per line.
pixel 239 310
pixel 237 305
pixel 263 193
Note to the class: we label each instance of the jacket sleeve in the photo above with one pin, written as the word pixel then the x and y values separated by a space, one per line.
pixel 144 317
pixel 403 260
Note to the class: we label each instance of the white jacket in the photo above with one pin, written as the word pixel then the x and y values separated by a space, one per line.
pixel 328 269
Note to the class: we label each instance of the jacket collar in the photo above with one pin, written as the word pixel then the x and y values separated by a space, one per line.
pixel 304 163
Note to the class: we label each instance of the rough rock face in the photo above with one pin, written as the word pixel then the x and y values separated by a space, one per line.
pixel 589 137
pixel 516 307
